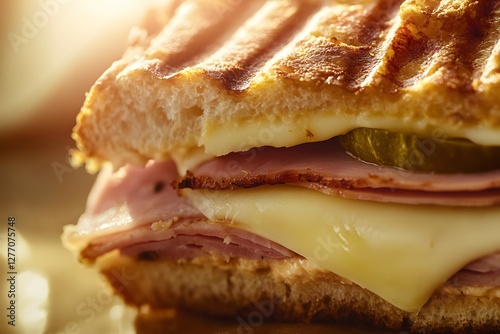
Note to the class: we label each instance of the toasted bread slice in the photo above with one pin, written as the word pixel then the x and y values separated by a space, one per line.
pixel 290 290
pixel 227 77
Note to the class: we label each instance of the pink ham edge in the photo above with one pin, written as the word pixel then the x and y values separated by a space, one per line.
pixel 184 238
pixel 353 178
pixel 122 207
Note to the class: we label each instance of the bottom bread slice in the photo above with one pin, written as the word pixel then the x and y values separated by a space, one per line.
pixel 293 289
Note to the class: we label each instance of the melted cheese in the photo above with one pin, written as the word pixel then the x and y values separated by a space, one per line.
pixel 224 137
pixel 400 252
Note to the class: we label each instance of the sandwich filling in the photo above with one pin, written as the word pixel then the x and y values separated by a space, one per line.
pixel 397 233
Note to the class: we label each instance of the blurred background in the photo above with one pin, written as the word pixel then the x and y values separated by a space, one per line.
pixel 51 52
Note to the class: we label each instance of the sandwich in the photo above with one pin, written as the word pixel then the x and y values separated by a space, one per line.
pixel 306 160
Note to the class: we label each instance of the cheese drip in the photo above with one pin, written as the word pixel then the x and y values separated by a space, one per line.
pixel 402 253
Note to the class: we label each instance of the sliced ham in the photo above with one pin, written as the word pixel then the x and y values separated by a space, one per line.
pixel 136 210
pixel 146 193
pixel 185 238
pixel 484 272
pixel 326 167
pixel 487 264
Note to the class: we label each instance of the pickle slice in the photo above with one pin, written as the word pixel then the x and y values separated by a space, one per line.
pixel 420 154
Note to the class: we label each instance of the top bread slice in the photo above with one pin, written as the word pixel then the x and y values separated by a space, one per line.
pixel 410 66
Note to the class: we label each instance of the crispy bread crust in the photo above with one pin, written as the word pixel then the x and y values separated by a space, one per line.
pixel 427 64
pixel 290 290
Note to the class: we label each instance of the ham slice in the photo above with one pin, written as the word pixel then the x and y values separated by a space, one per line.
pixel 325 166
pixel 183 238
pixel 136 211
pixel 482 272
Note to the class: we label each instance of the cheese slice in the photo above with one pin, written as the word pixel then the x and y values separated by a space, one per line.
pixel 400 252
pixel 220 138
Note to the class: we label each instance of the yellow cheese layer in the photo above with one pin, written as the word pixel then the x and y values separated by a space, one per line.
pixel 225 137
pixel 400 252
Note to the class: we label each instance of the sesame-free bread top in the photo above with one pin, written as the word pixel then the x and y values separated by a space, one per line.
pixel 223 68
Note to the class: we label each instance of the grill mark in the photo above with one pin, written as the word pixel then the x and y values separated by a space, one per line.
pixel 407 65
pixel 380 72
pixel 242 60
pixel 405 60
pixel 180 43
pixel 471 29
pixel 492 45
pixel 411 50
pixel 371 29
pixel 490 33
pixel 350 66
pixel 320 61
pixel 334 62
pixel 398 62
pixel 155 19
pixel 378 20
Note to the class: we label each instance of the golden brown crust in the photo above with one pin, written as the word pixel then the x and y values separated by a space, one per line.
pixel 289 290
pixel 429 64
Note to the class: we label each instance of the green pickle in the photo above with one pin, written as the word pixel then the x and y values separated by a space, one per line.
pixel 418 153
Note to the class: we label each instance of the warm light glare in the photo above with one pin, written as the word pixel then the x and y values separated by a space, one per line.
pixel 120 315
pixel 32 316
pixel 53 44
